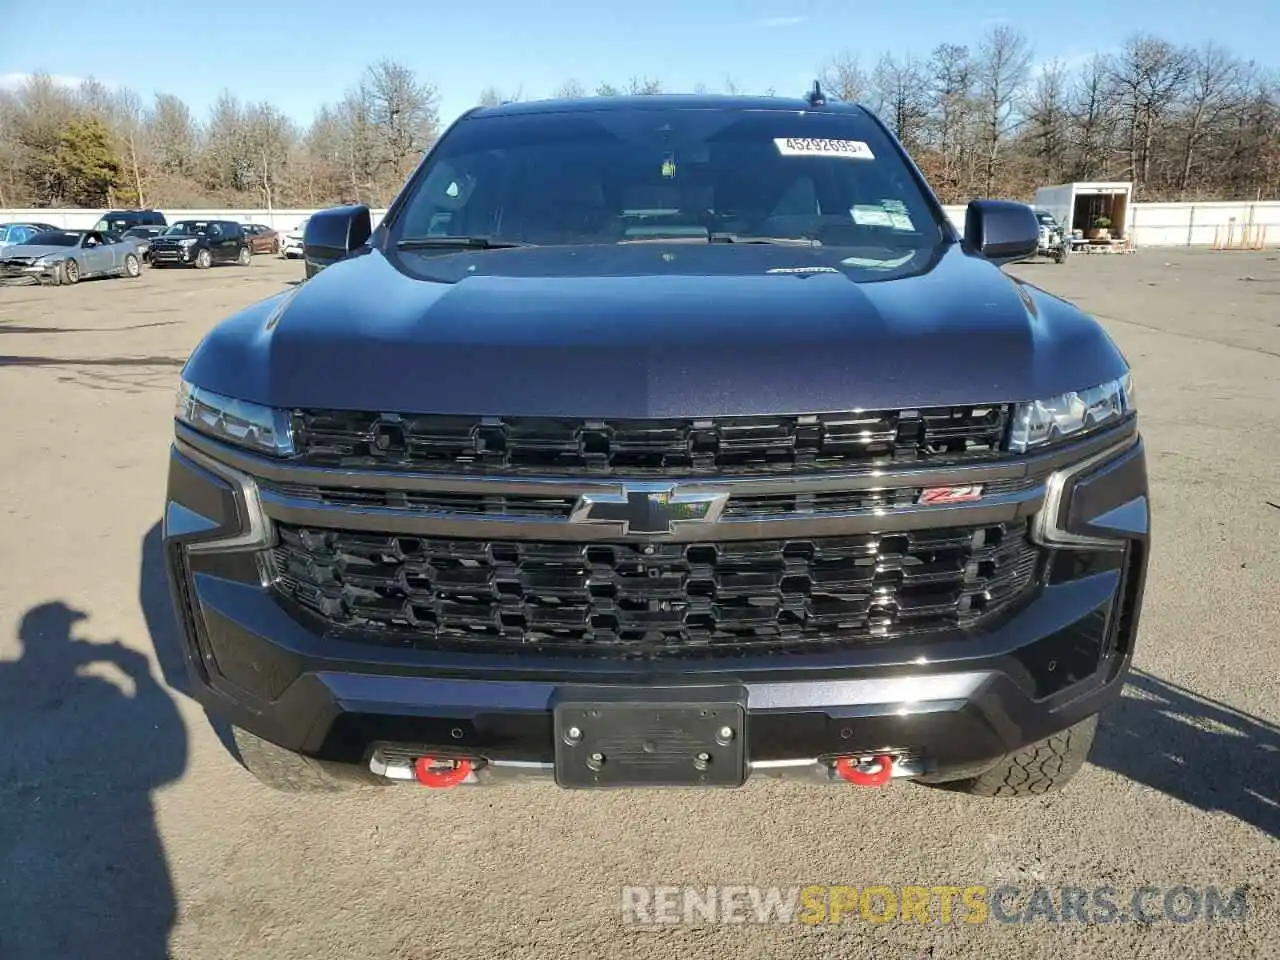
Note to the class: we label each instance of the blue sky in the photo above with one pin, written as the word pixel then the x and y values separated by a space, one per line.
pixel 301 54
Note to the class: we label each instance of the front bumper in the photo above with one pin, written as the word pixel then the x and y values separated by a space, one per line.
pixel 30 273
pixel 946 706
pixel 181 255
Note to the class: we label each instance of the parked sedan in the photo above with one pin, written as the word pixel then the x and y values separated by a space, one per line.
pixel 68 256
pixel 12 234
pixel 262 239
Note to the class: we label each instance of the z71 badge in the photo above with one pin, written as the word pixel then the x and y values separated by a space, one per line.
pixel 940 495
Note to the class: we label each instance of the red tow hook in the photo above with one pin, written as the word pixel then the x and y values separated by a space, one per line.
pixel 846 769
pixel 438 778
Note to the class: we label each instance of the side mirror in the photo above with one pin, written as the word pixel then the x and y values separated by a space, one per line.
pixel 1002 231
pixel 332 234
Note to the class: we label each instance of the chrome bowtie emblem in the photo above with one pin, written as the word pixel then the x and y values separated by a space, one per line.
pixel 653 508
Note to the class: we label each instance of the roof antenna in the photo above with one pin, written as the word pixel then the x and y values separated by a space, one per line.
pixel 816 97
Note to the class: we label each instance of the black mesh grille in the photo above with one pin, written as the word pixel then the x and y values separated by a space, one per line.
pixel 729 445
pixel 652 600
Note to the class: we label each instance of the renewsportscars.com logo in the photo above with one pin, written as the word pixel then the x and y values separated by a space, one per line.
pixel 974 904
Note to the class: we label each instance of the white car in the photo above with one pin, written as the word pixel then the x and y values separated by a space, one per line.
pixel 292 245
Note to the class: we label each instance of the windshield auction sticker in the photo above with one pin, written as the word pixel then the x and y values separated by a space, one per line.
pixel 815 147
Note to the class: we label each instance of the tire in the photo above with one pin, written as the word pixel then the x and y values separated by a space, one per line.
pixel 1039 768
pixel 275 247
pixel 70 272
pixel 204 259
pixel 132 268
pixel 245 258
pixel 290 772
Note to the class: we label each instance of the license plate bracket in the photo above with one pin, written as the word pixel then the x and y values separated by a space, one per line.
pixel 649 739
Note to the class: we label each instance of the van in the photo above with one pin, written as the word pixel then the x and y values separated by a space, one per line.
pixel 118 221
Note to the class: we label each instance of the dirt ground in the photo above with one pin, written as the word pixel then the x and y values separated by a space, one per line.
pixel 126 830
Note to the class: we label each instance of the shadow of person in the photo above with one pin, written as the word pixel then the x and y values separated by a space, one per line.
pixel 1196 749
pixel 88 735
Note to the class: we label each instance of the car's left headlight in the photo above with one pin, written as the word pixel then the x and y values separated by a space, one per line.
pixel 252 425
pixel 1042 422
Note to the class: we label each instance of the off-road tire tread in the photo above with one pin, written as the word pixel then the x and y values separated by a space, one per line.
pixel 1037 769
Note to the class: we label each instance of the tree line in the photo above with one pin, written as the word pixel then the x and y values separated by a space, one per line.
pixel 1182 123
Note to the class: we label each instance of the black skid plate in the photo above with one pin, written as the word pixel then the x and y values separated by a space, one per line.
pixel 607 737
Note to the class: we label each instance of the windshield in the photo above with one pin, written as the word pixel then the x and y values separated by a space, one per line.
pixel 189 228
pixel 57 238
pixel 644 174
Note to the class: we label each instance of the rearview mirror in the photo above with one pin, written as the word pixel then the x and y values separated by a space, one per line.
pixel 332 234
pixel 1001 231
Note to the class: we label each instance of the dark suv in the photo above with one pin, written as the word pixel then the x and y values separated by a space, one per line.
pixel 202 243
pixel 660 441
pixel 121 221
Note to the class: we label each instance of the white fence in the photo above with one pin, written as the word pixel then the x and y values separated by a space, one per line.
pixel 1150 224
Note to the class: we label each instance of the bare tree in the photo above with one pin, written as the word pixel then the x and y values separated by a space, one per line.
pixel 96 98
pixel 1093 119
pixel 269 137
pixel 227 154
pixel 172 135
pixel 126 110
pixel 360 159
pixel 570 90
pixel 493 97
pixel 1048 119
pixel 1215 90
pixel 899 92
pixel 42 111
pixel 1192 123
pixel 1004 58
pixel 405 113
pixel 843 78
pixel 951 73
pixel 607 90
pixel 643 85
pixel 1148 77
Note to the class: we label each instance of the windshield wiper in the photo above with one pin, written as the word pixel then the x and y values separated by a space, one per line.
pixel 784 241
pixel 463 243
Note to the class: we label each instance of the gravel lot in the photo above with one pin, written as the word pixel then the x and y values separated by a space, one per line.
pixel 127 831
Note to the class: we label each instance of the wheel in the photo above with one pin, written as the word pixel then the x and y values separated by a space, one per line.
pixel 290 772
pixel 1060 255
pixel 132 268
pixel 70 272
pixel 1040 768
pixel 245 258
pixel 275 247
pixel 204 259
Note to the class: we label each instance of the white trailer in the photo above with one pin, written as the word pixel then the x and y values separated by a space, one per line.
pixel 1079 207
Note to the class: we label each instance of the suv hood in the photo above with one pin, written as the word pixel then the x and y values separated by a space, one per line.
pixel 365 334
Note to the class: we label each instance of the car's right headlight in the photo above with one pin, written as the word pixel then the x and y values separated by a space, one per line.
pixel 1042 422
pixel 188 242
pixel 251 425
